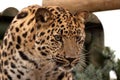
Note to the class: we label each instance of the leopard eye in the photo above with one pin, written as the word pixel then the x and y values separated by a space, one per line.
pixel 58 37
pixel 78 38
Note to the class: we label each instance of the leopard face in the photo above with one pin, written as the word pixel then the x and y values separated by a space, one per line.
pixel 60 38
pixel 43 39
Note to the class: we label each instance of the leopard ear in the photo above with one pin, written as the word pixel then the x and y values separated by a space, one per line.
pixel 82 15
pixel 43 15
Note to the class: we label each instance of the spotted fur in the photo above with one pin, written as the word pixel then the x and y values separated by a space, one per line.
pixel 42 43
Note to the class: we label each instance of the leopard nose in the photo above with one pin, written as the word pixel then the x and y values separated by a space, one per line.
pixel 70 59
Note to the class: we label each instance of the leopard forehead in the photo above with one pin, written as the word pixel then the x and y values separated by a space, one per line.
pixel 45 19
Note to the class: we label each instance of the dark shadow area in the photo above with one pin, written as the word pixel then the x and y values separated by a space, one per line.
pixel 5 19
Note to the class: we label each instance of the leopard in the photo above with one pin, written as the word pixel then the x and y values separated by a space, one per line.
pixel 43 43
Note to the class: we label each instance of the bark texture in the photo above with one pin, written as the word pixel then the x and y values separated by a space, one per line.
pixel 84 5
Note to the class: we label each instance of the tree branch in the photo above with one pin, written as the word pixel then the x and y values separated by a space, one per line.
pixel 85 5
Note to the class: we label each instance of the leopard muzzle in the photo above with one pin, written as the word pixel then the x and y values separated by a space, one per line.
pixel 66 64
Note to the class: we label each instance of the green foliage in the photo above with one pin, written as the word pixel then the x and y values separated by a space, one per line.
pixel 118 64
pixel 117 69
pixel 90 73
pixel 109 53
pixel 99 73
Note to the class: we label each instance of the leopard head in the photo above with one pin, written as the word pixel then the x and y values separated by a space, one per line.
pixel 60 36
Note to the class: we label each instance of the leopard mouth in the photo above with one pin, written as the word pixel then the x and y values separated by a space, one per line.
pixel 66 69
pixel 65 65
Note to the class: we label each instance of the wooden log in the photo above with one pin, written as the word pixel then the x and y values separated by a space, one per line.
pixel 84 5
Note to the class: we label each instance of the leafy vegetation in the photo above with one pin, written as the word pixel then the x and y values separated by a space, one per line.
pixel 100 73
